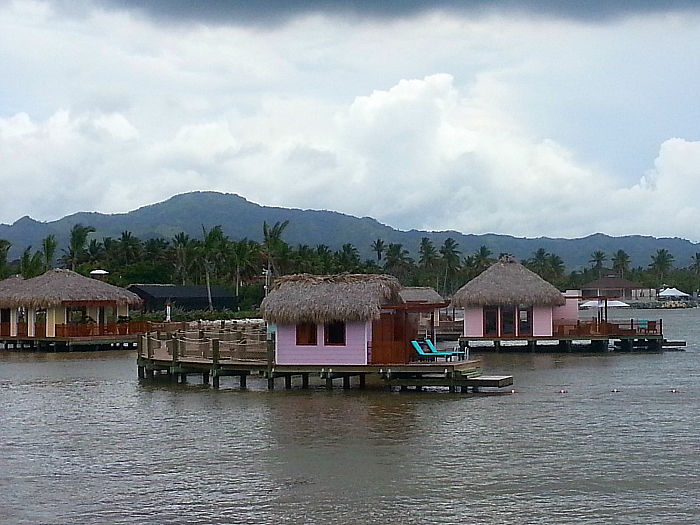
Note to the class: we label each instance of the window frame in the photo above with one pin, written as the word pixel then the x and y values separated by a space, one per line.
pixel 312 339
pixel 327 331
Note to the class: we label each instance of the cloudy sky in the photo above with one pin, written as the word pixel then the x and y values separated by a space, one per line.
pixel 562 119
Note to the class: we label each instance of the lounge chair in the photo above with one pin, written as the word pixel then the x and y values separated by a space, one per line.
pixel 431 356
pixel 459 354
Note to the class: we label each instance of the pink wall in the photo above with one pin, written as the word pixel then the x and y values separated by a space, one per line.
pixel 353 353
pixel 474 322
pixel 569 311
pixel 542 321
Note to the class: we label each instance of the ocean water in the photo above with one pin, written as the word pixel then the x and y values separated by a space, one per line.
pixel 83 441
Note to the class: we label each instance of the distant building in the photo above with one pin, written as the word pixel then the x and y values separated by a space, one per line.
pixel 156 296
pixel 617 288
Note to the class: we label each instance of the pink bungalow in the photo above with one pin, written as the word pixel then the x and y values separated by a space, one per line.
pixel 341 320
pixel 508 301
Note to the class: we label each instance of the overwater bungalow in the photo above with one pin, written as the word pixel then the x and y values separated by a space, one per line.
pixel 344 319
pixel 63 306
pixel 510 302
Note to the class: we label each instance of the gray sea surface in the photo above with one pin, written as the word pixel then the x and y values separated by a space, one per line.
pixel 82 441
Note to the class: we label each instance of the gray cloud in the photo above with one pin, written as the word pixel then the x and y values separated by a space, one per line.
pixel 275 11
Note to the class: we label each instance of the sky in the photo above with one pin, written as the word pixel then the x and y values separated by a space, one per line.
pixel 559 119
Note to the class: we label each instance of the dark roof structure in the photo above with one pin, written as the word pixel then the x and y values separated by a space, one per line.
pixel 612 283
pixel 189 297
pixel 508 283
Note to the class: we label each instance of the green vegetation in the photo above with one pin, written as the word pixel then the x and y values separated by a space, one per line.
pixel 242 265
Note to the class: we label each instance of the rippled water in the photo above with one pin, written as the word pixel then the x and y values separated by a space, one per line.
pixel 82 441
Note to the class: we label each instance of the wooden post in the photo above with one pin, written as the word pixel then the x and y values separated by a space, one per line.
pixel 215 362
pixel 176 352
pixel 329 382
pixel 149 346
pixel 243 380
pixel 270 382
pixel 205 378
pixel 346 382
pixel 288 381
pixel 305 380
pixel 362 381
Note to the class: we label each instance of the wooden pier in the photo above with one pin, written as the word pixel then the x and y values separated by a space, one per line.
pixel 591 335
pixel 220 353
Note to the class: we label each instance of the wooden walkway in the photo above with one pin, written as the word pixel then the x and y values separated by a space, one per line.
pixel 213 358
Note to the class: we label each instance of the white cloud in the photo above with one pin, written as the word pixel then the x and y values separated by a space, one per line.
pixel 495 124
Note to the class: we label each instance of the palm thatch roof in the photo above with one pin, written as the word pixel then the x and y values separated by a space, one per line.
pixel 10 283
pixel 59 286
pixel 420 294
pixel 508 283
pixel 323 298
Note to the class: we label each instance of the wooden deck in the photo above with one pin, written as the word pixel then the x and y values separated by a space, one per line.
pixel 214 358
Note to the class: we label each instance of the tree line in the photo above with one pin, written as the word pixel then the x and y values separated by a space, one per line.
pixel 242 265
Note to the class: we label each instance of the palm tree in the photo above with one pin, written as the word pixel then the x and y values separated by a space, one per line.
pixel 428 254
pixel 184 254
pixel 31 266
pixel 621 262
pixel 378 247
pixel 95 251
pixel 450 259
pixel 76 247
pixel 539 263
pixel 348 258
pixel 273 243
pixel 695 267
pixel 597 259
pixel 212 252
pixel 397 262
pixel 482 259
pixel 4 248
pixel 49 245
pixel 661 263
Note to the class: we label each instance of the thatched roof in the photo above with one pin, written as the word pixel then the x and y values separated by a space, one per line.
pixel 322 298
pixel 420 294
pixel 9 284
pixel 508 283
pixel 59 286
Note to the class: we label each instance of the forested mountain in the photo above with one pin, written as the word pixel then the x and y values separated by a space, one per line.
pixel 240 218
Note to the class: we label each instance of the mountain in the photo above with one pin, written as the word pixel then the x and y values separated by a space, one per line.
pixel 240 218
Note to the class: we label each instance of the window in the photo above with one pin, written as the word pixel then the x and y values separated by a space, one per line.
pixel 334 333
pixel 306 334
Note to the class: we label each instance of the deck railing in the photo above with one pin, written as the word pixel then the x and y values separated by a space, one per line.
pixel 101 330
pixel 594 328
pixel 220 345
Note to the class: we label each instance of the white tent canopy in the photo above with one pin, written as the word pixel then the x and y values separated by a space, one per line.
pixel 672 293
pixel 600 303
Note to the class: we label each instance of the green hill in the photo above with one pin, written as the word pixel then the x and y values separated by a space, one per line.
pixel 240 218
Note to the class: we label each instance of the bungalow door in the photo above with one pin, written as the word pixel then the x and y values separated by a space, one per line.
pixel 490 321
pixel 508 321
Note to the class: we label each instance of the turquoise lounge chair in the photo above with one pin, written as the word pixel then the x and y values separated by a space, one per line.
pixel 430 355
pixel 459 354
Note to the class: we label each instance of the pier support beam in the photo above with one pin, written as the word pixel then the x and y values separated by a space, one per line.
pixel 305 380
pixel 215 381
pixel 346 382
pixel 362 381
pixel 329 383
pixel 288 381
pixel 243 379
pixel 271 383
